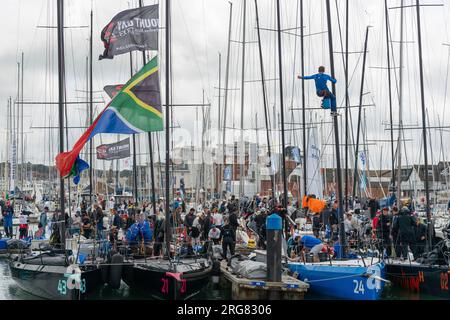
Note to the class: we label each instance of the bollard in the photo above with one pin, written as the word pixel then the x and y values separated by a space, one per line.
pixel 274 237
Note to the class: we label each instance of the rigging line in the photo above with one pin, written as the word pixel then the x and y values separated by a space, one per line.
pixel 293 135
pixel 19 23
pixel 210 94
pixel 191 43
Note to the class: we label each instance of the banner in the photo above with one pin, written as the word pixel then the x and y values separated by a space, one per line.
pixel 362 159
pixel 114 151
pixel 293 153
pixel 126 164
pixel 313 172
pixel 227 176
pixel 134 29
pixel 113 90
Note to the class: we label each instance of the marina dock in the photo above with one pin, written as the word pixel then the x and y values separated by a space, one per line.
pixel 258 289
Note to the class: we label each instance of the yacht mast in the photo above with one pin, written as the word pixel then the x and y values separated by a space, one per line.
pixel 61 84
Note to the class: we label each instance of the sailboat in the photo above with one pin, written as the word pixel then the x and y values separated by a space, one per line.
pixel 428 274
pixel 167 278
pixel 56 273
pixel 358 278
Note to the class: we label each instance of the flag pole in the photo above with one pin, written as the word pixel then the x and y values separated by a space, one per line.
pixel 150 144
pixel 91 109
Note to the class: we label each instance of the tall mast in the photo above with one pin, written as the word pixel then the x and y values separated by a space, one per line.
pixel 424 130
pixel 220 89
pixel 361 95
pixel 347 104
pixel 266 110
pixel 167 229
pixel 302 54
pixel 8 143
pixel 227 73
pixel 61 83
pixel 400 119
pixel 17 129
pixel 241 139
pixel 390 95
pixel 280 72
pixel 218 167
pixel 150 144
pixel 21 127
pixel 339 195
pixel 91 108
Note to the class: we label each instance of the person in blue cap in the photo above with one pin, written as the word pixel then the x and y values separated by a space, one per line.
pixel 322 90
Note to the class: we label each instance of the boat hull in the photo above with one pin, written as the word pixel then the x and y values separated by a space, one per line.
pixel 350 282
pixel 51 282
pixel 430 280
pixel 160 284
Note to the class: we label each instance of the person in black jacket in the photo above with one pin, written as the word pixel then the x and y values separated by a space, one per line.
pixel 233 220
pixel 228 239
pixel 333 221
pixel 260 220
pixel 420 239
pixel 404 226
pixel 384 231
pixel 159 235
pixel 189 218
pixel 374 206
pixel 207 223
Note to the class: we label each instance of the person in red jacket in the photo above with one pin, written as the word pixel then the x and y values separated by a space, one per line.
pixel 375 224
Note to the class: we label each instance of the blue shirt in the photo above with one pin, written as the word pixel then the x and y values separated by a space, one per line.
pixel 321 80
pixel 310 241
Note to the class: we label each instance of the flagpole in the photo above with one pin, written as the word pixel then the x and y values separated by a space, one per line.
pixel 135 188
pixel 91 109
pixel 150 144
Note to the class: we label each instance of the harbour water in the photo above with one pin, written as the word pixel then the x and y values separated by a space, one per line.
pixel 215 290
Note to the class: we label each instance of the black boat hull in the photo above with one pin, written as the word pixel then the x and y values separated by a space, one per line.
pixel 51 282
pixel 160 284
pixel 430 280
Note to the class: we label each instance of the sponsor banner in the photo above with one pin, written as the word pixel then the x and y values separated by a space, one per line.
pixel 114 151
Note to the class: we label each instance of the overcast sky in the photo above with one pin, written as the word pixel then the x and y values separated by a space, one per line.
pixel 200 32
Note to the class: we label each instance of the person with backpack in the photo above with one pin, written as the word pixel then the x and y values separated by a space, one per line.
pixel 228 239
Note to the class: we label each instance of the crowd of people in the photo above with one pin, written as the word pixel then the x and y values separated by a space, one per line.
pixel 225 222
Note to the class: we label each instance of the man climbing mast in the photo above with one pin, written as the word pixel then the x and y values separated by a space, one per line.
pixel 322 90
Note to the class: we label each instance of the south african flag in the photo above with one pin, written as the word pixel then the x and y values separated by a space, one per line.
pixel 135 109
